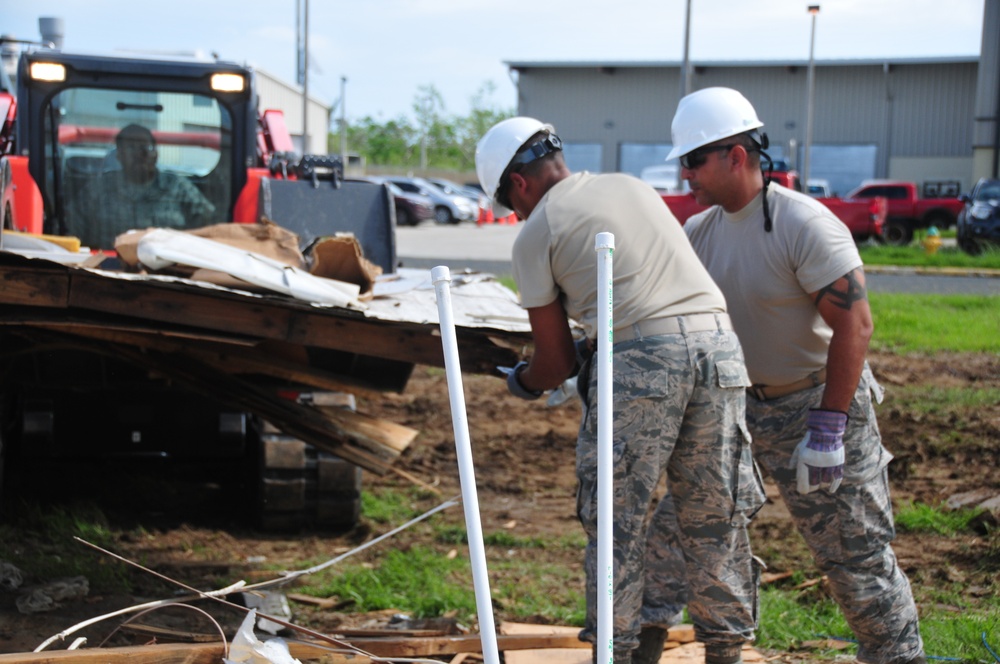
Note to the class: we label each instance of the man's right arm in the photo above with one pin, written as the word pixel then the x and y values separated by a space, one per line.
pixel 554 356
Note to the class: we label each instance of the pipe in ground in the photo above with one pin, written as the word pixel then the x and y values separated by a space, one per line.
pixel 604 245
pixel 441 278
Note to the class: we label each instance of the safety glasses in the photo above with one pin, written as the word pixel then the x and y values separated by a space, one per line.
pixel 550 143
pixel 697 158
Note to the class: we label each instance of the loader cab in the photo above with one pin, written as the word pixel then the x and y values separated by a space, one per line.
pixel 198 121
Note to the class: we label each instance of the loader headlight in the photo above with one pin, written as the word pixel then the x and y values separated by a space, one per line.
pixel 228 83
pixel 48 71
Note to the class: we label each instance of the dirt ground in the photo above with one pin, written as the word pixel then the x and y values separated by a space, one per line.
pixel 523 456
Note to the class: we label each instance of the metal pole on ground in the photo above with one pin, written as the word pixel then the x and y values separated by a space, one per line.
pixel 604 246
pixel 441 278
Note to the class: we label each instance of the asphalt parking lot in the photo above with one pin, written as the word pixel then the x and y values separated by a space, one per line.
pixel 487 248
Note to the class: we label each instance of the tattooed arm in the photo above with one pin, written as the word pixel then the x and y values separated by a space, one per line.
pixel 844 306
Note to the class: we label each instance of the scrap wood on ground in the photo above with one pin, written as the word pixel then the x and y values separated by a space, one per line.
pixel 520 644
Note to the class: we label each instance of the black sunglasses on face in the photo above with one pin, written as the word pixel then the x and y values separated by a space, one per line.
pixel 697 158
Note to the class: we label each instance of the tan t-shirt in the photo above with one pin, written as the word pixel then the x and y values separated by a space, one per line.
pixel 656 273
pixel 767 278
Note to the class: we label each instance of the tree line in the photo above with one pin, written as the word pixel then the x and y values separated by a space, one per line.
pixel 432 140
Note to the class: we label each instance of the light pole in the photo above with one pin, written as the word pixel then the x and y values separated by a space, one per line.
pixel 685 72
pixel 343 124
pixel 811 84
pixel 305 77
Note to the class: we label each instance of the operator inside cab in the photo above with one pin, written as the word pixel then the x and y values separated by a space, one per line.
pixel 132 193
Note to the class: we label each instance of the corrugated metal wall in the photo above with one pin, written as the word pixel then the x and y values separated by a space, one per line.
pixel 275 93
pixel 906 109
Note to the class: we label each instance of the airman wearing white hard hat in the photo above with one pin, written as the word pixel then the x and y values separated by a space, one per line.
pixel 710 115
pixel 666 309
pixel 797 297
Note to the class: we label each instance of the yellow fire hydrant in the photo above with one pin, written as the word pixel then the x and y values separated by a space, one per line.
pixel 932 242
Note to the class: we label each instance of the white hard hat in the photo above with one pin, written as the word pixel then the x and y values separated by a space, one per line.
pixel 498 146
pixel 710 115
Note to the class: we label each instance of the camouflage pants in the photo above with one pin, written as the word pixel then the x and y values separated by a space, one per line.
pixel 849 532
pixel 679 404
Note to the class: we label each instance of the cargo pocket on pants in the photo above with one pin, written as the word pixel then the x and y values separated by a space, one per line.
pixel 749 492
pixel 732 374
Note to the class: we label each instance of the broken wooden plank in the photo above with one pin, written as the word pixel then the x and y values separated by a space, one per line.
pixel 36 286
pixel 318 602
pixel 169 653
pixel 453 645
pixel 353 437
pixel 273 318
pixel 46 285
pixel 192 653
pixel 238 354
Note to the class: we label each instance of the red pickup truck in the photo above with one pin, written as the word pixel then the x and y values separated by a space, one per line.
pixel 907 210
pixel 864 218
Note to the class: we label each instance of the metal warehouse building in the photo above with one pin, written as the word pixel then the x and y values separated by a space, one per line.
pixel 932 121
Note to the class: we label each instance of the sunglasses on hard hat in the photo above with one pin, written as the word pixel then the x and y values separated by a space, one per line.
pixel 697 158
pixel 550 143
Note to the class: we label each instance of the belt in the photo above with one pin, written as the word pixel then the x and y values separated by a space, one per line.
pixel 674 325
pixel 767 392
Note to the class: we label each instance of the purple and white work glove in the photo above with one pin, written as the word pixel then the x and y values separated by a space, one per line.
pixel 514 383
pixel 819 458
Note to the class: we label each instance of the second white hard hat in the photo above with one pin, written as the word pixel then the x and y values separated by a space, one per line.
pixel 710 115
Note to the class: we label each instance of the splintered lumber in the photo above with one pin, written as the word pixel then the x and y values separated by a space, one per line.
pixel 194 653
pixel 359 439
pixel 230 353
pixel 452 645
pixel 33 288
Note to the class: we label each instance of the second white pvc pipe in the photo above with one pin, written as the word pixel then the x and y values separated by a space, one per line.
pixel 441 278
pixel 604 245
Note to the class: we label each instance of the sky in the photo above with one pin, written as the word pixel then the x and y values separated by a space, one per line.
pixel 390 50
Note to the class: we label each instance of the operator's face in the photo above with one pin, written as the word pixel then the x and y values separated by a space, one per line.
pixel 138 159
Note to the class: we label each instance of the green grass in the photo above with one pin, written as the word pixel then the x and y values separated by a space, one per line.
pixel 39 542
pixel 934 400
pixel 791 617
pixel 391 506
pixel 907 322
pixel 921 518
pixel 914 255
pixel 428 582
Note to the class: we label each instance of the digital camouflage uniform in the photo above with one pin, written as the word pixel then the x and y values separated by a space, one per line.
pixel 768 278
pixel 112 205
pixel 679 407
pixel 856 555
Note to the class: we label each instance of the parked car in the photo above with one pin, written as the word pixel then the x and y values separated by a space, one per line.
pixel 978 224
pixel 411 208
pixel 450 187
pixel 908 209
pixel 819 188
pixel 448 208
pixel 664 178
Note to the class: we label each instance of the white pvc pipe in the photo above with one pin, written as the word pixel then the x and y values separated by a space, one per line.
pixel 441 278
pixel 605 246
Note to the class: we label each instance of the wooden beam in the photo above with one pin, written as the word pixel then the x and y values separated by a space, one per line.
pixel 371 444
pixel 102 299
pixel 34 286
pixel 188 653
